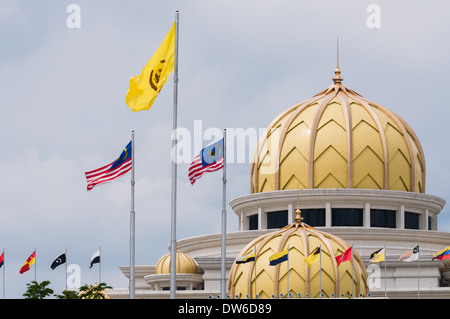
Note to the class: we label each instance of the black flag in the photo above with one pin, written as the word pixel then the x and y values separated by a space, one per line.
pixel 95 258
pixel 60 260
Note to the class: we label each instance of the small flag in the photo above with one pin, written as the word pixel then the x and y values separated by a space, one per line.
pixel 2 259
pixel 95 259
pixel 377 256
pixel 209 160
pixel 442 254
pixel 347 255
pixel 410 255
pixel 30 261
pixel 277 258
pixel 247 258
pixel 313 257
pixel 60 260
pixel 111 171
pixel 144 88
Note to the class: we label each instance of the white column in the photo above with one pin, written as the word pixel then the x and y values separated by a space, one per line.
pixel 366 220
pixel 327 215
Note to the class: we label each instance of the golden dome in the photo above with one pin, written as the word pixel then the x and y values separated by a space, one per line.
pixel 301 239
pixel 338 139
pixel 185 264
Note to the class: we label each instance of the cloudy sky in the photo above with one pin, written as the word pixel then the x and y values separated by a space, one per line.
pixel 241 63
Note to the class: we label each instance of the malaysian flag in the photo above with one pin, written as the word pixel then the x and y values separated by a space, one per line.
pixel 209 160
pixel 111 171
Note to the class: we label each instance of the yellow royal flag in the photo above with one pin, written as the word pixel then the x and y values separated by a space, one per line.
pixel 144 88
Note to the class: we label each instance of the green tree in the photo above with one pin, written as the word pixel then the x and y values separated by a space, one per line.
pixel 94 291
pixel 67 294
pixel 37 290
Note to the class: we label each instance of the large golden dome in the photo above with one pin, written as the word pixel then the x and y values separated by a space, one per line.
pixel 301 239
pixel 338 139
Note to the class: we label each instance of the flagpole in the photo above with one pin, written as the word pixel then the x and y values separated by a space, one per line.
pixel 254 251
pixel 65 253
pixel 287 292
pixel 100 264
pixel 173 243
pixel 4 265
pixel 132 224
pixel 353 295
pixel 224 218
pixel 35 264
pixel 385 257
pixel 418 273
pixel 320 270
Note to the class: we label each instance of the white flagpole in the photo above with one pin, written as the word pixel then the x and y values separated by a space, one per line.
pixel 353 295
pixel 385 284
pixel 67 260
pixel 100 265
pixel 173 243
pixel 4 265
pixel 132 224
pixel 223 281
pixel 418 273
pixel 320 273
pixel 35 264
pixel 287 292
pixel 254 250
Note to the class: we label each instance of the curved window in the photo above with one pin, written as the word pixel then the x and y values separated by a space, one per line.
pixel 383 218
pixel 277 219
pixel 314 217
pixel 347 217
pixel 411 220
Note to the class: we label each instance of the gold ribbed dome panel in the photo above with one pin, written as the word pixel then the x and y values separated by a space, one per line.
pixel 301 240
pixel 185 264
pixel 338 139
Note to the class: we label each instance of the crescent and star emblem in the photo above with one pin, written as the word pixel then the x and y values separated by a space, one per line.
pixel 124 153
pixel 155 75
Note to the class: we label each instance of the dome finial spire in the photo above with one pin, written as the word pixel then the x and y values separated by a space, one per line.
pixel 298 216
pixel 337 73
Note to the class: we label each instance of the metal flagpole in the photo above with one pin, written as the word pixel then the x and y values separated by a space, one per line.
pixel 418 273
pixel 287 265
pixel 35 264
pixel 100 265
pixel 4 265
pixel 320 273
pixel 353 295
pixel 385 257
pixel 132 224
pixel 173 243
pixel 224 219
pixel 254 251
pixel 65 253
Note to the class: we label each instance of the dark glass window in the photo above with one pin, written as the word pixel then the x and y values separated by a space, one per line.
pixel 314 217
pixel 253 222
pixel 347 217
pixel 383 218
pixel 277 219
pixel 429 222
pixel 411 220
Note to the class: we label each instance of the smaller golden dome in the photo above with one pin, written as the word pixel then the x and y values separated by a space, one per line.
pixel 185 264
pixel 296 277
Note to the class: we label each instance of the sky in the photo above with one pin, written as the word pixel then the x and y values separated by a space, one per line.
pixel 63 82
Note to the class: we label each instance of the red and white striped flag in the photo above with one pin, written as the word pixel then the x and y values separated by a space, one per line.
pixel 209 160
pixel 111 171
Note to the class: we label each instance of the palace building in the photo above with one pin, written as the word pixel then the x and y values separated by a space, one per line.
pixel 336 171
